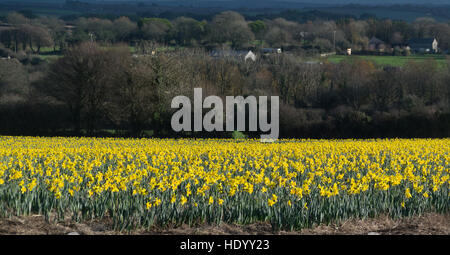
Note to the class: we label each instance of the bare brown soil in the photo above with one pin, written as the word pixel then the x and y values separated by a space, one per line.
pixel 428 224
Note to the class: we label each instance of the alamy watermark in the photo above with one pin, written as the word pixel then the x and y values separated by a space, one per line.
pixel 213 120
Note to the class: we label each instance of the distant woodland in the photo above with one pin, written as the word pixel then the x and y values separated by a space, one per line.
pixel 116 77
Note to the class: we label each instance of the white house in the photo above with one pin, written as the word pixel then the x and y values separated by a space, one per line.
pixel 424 45
pixel 241 55
pixel 250 56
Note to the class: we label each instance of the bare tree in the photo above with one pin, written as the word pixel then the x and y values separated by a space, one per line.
pixel 231 27
pixel 16 19
pixel 156 29
pixel 123 28
pixel 36 36
pixel 81 80
pixel 133 96
pixel 187 30
pixel 384 89
pixel 13 81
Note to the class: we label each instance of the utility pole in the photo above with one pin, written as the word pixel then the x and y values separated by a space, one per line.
pixel 334 41
pixel 92 36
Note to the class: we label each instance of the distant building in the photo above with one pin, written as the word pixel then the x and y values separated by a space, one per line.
pixel 250 55
pixel 376 44
pixel 6 58
pixel 313 63
pixel 424 45
pixel 69 29
pixel 304 34
pixel 271 50
pixel 241 55
pixel 6 26
pixel 327 54
pixel 401 46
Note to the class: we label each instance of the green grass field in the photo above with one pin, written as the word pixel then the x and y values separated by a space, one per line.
pixel 389 60
pixel 47 54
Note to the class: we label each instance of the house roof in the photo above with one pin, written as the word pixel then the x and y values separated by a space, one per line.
pixel 421 41
pixel 376 41
pixel 229 53
pixel 270 49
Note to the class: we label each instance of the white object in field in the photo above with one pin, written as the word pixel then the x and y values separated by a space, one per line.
pixel 250 55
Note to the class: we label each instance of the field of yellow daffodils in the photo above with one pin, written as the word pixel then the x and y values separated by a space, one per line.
pixel 292 184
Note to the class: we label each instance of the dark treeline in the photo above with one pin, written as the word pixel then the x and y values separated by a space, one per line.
pixel 96 91
pixel 227 29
